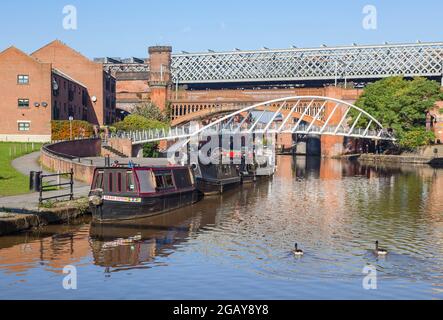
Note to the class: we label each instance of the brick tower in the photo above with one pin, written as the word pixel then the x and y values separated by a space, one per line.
pixel 160 74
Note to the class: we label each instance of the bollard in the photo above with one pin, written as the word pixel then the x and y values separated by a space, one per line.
pixel 107 161
pixel 34 181
pixel 31 180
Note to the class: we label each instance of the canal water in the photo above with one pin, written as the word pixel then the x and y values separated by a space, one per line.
pixel 238 246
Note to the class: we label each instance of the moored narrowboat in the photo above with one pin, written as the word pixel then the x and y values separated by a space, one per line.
pixel 215 179
pixel 123 193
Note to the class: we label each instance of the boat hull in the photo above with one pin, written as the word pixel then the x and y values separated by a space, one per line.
pixel 217 186
pixel 124 208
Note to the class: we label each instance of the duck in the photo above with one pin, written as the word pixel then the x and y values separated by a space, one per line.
pixel 297 252
pixel 379 251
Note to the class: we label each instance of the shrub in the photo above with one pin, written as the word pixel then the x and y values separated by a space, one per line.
pixel 136 122
pixel 150 111
pixel 60 129
pixel 416 137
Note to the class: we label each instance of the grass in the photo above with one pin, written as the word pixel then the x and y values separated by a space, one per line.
pixel 13 182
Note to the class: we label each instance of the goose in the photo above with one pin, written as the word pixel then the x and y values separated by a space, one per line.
pixel 297 252
pixel 380 251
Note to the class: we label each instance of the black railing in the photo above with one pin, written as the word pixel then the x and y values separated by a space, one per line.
pixel 42 187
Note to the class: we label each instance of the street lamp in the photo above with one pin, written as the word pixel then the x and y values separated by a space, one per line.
pixel 71 118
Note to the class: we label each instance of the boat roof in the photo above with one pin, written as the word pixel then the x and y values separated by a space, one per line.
pixel 143 167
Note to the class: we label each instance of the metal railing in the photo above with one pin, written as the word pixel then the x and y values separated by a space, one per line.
pixel 42 188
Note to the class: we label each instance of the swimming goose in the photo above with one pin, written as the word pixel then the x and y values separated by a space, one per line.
pixel 380 251
pixel 297 252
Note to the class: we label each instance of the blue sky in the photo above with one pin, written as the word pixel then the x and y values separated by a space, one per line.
pixel 127 28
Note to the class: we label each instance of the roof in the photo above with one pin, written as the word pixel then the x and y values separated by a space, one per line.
pixel 64 75
pixel 13 48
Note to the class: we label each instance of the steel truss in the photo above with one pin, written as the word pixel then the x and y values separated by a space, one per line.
pixel 355 62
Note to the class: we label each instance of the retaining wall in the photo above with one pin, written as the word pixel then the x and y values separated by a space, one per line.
pixel 63 157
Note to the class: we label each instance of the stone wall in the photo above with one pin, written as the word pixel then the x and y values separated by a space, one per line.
pixel 82 171
pixel 77 148
pixel 62 157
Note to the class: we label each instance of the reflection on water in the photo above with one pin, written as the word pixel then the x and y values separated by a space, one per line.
pixel 239 245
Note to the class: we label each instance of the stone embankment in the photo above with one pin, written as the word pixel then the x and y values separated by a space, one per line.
pixel 13 221
pixel 432 155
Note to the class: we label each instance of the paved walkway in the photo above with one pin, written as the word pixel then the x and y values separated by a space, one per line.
pixel 29 201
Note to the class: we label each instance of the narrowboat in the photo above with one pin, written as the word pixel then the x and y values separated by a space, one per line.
pixel 215 179
pixel 124 193
pixel 218 175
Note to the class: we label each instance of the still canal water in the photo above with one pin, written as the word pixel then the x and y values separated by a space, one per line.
pixel 238 246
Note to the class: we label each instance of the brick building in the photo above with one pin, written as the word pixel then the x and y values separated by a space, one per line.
pixel 100 84
pixel 38 88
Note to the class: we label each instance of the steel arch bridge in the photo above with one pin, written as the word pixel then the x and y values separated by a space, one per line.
pixel 353 62
pixel 304 115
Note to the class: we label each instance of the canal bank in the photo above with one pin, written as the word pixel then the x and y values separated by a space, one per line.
pixel 430 155
pixel 14 221
pixel 23 212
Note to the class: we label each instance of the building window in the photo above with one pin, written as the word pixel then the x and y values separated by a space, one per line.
pixel 23 103
pixel 24 126
pixel 56 111
pixel 23 79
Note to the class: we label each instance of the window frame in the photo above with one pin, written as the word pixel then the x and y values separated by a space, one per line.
pixel 21 79
pixel 19 100
pixel 27 126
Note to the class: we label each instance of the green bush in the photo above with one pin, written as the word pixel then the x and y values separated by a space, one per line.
pixel 150 111
pixel 60 129
pixel 415 138
pixel 135 122
pixel 150 150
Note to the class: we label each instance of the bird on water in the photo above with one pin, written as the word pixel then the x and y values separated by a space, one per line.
pixel 379 251
pixel 297 252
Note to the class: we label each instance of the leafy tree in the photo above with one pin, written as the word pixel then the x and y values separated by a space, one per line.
pixel 144 117
pixel 402 105
pixel 150 111
pixel 136 122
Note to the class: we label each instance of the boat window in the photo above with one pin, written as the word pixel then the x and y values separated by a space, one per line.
pixel 169 182
pixel 146 181
pixel 110 184
pixel 98 182
pixel 164 180
pixel 130 185
pixel 182 178
pixel 119 182
pixel 159 181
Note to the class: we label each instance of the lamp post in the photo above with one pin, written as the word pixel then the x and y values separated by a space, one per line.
pixel 70 127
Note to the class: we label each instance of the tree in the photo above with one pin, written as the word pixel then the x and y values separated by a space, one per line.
pixel 136 122
pixel 402 105
pixel 150 111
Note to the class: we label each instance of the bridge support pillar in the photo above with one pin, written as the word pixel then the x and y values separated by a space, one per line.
pixel 332 146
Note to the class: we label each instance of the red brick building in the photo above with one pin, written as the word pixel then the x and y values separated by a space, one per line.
pixel 100 84
pixel 43 86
